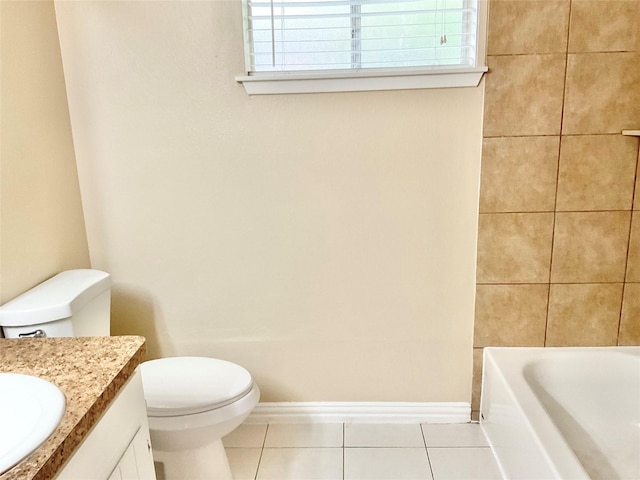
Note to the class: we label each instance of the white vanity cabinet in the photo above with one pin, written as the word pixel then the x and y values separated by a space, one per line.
pixel 118 447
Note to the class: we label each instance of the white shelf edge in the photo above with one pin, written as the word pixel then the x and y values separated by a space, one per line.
pixel 363 81
pixel 631 133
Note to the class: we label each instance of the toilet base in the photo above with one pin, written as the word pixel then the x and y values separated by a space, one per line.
pixel 208 462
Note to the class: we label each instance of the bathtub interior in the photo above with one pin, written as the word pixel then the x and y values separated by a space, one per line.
pixel 594 402
pixel 559 413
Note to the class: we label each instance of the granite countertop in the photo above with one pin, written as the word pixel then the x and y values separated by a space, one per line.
pixel 90 371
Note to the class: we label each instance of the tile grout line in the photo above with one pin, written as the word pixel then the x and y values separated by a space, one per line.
pixel 553 283
pixel 555 200
pixel 626 262
pixel 424 440
pixel 626 266
pixel 537 135
pixel 539 212
pixel 264 441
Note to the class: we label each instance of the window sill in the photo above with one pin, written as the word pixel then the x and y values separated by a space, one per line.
pixel 282 83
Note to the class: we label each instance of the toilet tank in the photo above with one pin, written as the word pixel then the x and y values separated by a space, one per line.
pixel 75 303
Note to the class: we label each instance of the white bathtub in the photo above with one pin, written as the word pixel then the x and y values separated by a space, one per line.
pixel 563 413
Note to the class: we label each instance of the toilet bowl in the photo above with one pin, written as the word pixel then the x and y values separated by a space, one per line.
pixel 192 402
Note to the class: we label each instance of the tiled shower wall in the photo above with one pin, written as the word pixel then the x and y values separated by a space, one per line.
pixel 559 227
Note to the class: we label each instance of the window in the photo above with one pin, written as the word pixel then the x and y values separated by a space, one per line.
pixel 375 42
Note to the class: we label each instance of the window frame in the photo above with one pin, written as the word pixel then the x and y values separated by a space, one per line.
pixel 368 79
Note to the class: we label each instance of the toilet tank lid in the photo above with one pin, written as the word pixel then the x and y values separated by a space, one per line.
pixel 59 297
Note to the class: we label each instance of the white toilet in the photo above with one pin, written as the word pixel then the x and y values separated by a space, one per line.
pixel 192 402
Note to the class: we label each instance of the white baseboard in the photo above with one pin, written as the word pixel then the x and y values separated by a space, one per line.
pixel 360 412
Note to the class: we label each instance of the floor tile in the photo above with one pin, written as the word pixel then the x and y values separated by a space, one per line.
pixel 246 435
pixel 300 463
pixel 382 435
pixel 304 435
pixel 243 462
pixel 386 464
pixel 454 435
pixel 463 464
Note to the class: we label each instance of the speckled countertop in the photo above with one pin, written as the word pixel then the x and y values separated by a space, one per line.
pixel 89 370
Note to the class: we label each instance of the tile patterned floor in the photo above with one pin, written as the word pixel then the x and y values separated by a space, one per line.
pixel 358 451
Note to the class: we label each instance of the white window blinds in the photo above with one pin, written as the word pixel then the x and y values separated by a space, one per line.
pixel 316 35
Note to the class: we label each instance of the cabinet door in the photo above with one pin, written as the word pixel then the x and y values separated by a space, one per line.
pixel 136 463
pixel 126 469
pixel 141 447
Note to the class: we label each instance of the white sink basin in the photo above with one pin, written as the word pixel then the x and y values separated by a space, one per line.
pixel 30 410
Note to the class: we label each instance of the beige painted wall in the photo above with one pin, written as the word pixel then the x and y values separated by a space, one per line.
pixel 326 242
pixel 42 228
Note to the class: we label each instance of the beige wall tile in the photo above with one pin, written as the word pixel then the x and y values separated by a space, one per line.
pixel 510 315
pixel 528 27
pixel 476 388
pixel 630 320
pixel 633 260
pixel 602 94
pixel 597 172
pixel 514 247
pixel 584 315
pixel 590 247
pixel 519 174
pixel 523 95
pixel 604 26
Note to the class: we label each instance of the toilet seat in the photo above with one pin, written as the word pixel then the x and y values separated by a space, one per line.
pixel 188 385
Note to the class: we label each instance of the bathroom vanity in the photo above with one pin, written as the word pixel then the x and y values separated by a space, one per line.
pixel 104 432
